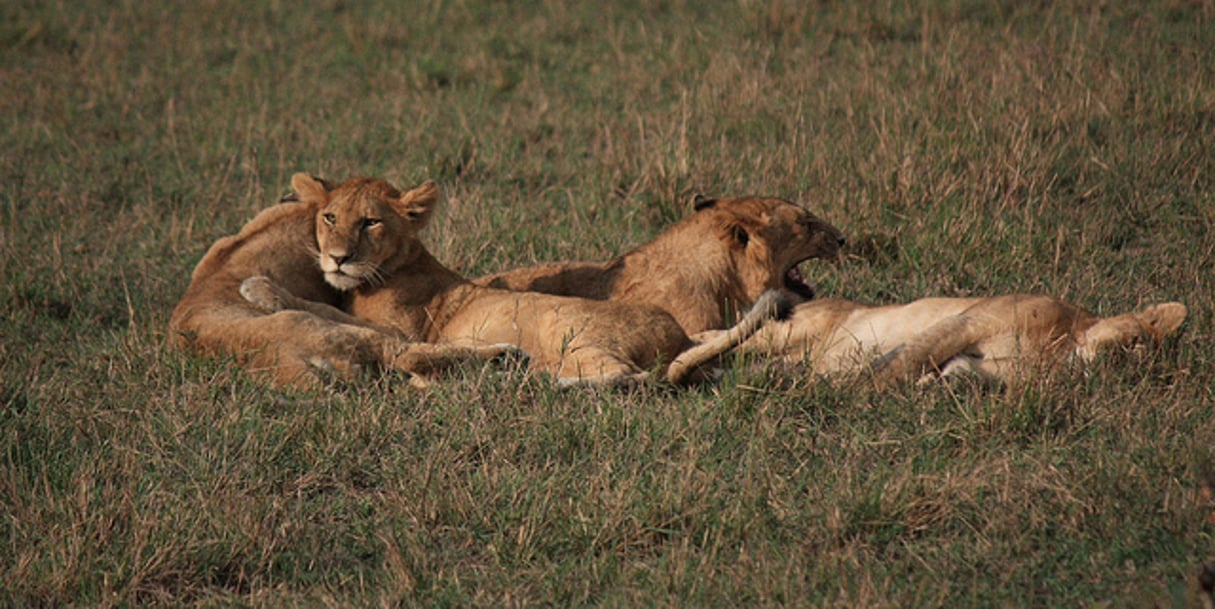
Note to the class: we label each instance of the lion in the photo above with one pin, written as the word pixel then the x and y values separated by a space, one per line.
pixel 299 347
pixel 366 233
pixel 998 338
pixel 704 269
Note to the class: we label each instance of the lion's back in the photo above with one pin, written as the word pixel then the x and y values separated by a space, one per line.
pixel 274 243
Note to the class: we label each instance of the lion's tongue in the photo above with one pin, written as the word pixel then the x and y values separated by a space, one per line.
pixel 795 283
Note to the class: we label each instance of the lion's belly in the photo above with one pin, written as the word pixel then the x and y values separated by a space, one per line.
pixel 869 332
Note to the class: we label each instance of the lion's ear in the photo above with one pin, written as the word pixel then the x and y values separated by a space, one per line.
pixel 700 202
pixel 734 233
pixel 308 187
pixel 417 204
pixel 740 235
pixel 737 230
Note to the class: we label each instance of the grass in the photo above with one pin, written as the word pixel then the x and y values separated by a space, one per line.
pixel 964 148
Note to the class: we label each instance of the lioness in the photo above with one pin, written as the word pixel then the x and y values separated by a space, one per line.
pixel 366 231
pixel 704 269
pixel 996 338
pixel 290 347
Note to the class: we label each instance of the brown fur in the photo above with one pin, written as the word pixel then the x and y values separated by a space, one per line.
pixel 704 269
pixel 366 232
pixel 996 338
pixel 296 347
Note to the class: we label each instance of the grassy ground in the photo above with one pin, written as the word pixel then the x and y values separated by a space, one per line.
pixel 965 148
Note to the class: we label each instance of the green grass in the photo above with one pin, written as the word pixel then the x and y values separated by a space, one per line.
pixel 964 147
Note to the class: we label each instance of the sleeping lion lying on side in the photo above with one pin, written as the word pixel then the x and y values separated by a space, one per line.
pixel 995 338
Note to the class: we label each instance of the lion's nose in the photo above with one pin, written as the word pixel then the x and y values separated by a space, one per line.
pixel 339 259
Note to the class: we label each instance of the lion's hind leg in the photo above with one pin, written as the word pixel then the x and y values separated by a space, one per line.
pixel 937 351
pixel 295 347
pixel 593 366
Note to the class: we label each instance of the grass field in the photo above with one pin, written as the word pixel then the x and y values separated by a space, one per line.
pixel 964 147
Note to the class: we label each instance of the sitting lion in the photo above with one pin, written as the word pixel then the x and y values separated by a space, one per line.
pixel 996 338
pixel 290 347
pixel 704 269
pixel 366 231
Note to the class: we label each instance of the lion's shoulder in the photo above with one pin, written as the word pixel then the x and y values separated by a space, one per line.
pixel 274 233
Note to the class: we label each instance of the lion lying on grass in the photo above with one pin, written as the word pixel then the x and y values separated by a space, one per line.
pixel 704 269
pixel 290 347
pixel 997 338
pixel 366 231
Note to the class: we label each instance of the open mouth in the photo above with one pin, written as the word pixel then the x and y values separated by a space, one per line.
pixel 794 282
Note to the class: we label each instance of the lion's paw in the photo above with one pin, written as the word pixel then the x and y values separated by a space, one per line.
pixel 262 293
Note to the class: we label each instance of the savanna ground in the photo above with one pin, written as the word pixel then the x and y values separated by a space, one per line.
pixel 964 147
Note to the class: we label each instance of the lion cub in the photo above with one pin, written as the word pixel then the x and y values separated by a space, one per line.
pixel 997 338
pixel 302 347
pixel 702 270
pixel 366 233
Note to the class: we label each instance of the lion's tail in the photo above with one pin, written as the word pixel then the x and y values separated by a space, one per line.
pixel 1153 323
pixel 772 304
pixel 928 350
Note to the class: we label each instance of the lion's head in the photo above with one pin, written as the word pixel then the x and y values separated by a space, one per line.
pixel 764 240
pixel 365 228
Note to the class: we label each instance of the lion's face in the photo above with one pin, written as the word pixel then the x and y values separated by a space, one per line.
pixel 365 227
pixel 766 239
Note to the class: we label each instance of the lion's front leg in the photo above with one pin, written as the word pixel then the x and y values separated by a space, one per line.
pixel 263 293
pixel 429 358
pixel 268 296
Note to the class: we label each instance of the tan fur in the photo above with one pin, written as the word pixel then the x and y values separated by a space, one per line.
pixel 366 231
pixel 704 269
pixel 297 347
pixel 997 338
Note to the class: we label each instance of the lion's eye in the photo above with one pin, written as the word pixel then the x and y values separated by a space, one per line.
pixel 370 222
pixel 329 219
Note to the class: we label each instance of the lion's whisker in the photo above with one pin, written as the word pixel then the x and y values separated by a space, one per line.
pixel 376 276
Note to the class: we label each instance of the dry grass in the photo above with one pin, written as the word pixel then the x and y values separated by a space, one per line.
pixel 964 147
